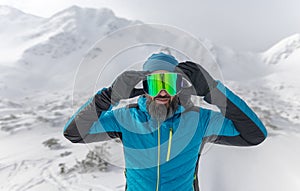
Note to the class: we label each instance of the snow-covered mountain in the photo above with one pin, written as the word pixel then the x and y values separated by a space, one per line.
pixel 49 50
pixel 283 59
pixel 38 61
pixel 11 16
pixel 71 30
pixel 14 24
pixel 282 50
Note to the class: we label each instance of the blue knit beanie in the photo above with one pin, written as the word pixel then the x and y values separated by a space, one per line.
pixel 160 61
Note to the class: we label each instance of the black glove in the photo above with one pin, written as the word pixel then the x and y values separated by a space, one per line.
pixel 123 86
pixel 198 76
pixel 185 96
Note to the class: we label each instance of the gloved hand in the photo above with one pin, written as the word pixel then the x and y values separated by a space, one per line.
pixel 185 96
pixel 123 86
pixel 198 76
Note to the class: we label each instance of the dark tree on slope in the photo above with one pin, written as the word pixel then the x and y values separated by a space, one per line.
pixel 96 160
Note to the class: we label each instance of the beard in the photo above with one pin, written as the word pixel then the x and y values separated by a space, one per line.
pixel 161 112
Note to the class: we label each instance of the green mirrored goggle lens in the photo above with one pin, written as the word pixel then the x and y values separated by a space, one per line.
pixel 170 82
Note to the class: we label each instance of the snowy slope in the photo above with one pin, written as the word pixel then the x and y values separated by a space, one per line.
pixel 273 92
pixel 238 66
pixel 284 58
pixel 14 24
pixel 51 48
pixel 34 109
pixel 282 50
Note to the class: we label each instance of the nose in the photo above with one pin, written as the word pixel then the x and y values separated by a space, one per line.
pixel 163 93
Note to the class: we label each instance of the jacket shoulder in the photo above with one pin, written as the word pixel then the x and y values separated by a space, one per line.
pixel 193 108
pixel 132 105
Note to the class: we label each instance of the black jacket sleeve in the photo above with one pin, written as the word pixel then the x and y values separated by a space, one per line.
pixel 77 128
pixel 251 129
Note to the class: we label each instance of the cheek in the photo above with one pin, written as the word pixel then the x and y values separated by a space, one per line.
pixel 150 98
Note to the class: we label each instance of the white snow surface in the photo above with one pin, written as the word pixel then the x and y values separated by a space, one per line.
pixel 38 60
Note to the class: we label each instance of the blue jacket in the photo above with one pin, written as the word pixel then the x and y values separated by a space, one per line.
pixel 164 156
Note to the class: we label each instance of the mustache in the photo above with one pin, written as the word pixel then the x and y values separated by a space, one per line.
pixel 162 97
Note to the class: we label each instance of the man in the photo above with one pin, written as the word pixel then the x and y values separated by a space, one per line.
pixel 163 133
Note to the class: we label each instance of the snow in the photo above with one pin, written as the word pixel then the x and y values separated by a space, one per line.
pixel 282 50
pixel 49 50
pixel 274 165
pixel 14 24
pixel 38 62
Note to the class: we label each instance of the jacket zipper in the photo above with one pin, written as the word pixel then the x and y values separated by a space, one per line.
pixel 158 156
pixel 170 144
pixel 158 152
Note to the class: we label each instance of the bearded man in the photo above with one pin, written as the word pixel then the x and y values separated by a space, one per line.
pixel 163 133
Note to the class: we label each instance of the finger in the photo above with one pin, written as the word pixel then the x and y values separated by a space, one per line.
pixel 136 92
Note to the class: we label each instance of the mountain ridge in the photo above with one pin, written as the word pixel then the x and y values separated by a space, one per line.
pixel 282 50
pixel 55 46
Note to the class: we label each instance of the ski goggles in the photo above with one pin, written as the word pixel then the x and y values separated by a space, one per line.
pixel 172 83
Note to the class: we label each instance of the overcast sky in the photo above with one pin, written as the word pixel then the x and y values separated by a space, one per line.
pixel 252 25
